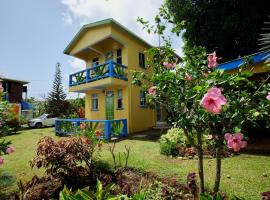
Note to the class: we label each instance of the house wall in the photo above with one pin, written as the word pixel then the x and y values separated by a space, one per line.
pixel 138 118
pixel 14 92
pixel 100 114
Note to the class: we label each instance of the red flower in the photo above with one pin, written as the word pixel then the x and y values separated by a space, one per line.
pixel 85 140
pixel 98 133
pixel 82 126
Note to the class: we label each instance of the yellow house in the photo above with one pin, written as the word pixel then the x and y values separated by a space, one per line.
pixel 111 52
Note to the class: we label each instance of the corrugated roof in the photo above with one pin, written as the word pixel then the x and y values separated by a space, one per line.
pixel 3 78
pixel 234 64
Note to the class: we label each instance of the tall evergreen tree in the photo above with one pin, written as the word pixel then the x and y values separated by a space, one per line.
pixel 56 101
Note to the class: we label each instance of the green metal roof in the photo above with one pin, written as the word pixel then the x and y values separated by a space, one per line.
pixel 99 23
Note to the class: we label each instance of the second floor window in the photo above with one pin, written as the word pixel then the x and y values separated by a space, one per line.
pixel 141 60
pixel 119 56
pixel 142 98
pixel 94 102
pixel 120 99
pixel 95 62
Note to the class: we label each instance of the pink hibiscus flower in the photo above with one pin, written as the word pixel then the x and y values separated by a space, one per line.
pixel 268 96
pixel 152 91
pixel 212 60
pixel 235 141
pixel 1 160
pixel 187 77
pixel 98 133
pixel 82 126
pixel 169 65
pixel 213 100
pixel 10 150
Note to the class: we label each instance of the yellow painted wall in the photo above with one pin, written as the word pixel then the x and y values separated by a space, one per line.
pixel 256 69
pixel 91 37
pixel 100 114
pixel 138 118
pixel 141 118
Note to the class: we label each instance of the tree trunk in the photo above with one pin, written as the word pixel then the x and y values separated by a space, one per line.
pixel 200 161
pixel 218 169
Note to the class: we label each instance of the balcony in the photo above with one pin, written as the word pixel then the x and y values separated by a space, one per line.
pixel 110 71
pixel 109 128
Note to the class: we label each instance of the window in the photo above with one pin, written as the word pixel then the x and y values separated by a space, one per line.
pixel 120 99
pixel 119 56
pixel 141 60
pixel 142 98
pixel 95 62
pixel 94 102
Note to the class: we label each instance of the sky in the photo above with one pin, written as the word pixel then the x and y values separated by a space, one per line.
pixel 34 33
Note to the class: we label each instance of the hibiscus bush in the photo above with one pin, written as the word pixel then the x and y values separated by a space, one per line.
pixel 201 99
pixel 5 147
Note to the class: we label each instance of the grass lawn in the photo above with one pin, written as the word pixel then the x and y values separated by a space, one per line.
pixel 245 172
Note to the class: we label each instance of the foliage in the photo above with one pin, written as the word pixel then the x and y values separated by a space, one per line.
pixel 210 24
pixel 56 101
pixel 172 141
pixel 62 158
pixel 101 193
pixel 166 191
pixel 201 99
pixel 7 125
pixel 265 41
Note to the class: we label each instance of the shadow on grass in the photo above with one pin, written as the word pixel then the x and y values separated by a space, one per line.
pixel 149 135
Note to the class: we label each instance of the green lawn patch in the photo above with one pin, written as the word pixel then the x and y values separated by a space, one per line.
pixel 241 175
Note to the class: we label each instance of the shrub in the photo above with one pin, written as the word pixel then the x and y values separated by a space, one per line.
pixel 172 141
pixel 63 158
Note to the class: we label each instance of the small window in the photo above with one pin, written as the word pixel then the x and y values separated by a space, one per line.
pixel 119 56
pixel 142 98
pixel 120 99
pixel 94 102
pixel 95 62
pixel 141 60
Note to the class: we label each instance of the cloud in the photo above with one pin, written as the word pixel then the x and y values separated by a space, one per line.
pixel 77 64
pixel 126 12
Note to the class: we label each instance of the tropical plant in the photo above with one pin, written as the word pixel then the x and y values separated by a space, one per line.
pixel 200 98
pixel 101 193
pixel 6 117
pixel 63 158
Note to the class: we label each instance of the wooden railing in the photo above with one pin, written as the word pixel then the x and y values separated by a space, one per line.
pixel 105 70
pixel 109 128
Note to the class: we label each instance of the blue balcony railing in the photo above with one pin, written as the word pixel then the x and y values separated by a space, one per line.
pixel 109 128
pixel 105 70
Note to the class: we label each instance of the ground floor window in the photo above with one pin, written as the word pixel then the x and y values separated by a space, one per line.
pixel 142 98
pixel 120 99
pixel 94 102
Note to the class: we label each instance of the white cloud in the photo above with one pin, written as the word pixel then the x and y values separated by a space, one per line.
pixel 126 12
pixel 77 64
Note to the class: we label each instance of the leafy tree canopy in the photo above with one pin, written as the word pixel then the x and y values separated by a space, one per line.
pixel 231 27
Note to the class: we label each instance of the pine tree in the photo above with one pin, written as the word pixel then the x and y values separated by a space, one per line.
pixel 56 101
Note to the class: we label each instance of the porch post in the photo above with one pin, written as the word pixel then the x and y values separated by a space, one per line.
pixel 111 71
pixel 108 130
pixel 125 132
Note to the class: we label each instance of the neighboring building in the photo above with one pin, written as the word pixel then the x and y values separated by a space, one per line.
pixel 14 91
pixel 111 52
